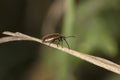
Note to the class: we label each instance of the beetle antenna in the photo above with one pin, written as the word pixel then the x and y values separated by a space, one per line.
pixel 70 36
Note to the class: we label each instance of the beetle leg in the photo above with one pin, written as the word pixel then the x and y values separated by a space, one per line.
pixel 51 42
pixel 61 42
pixel 58 42
pixel 66 42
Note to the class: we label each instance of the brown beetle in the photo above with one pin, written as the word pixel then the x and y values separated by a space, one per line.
pixel 55 37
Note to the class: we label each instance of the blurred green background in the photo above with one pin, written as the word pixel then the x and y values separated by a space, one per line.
pixel 95 23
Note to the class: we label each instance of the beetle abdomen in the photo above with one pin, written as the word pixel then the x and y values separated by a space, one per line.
pixel 51 37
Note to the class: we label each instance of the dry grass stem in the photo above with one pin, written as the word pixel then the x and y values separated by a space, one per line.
pixel 101 62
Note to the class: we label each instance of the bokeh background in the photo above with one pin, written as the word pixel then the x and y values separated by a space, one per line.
pixel 95 23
